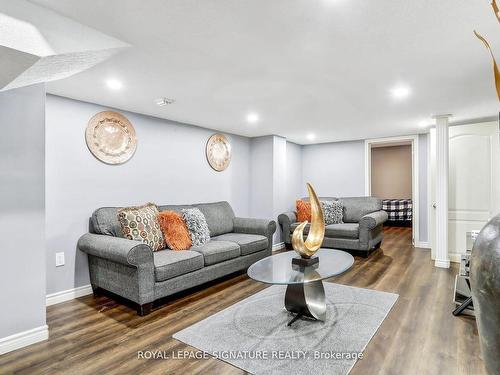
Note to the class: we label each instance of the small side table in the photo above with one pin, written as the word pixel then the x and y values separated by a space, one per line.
pixel 462 292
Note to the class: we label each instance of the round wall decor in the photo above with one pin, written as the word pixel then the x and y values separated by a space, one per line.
pixel 218 152
pixel 111 137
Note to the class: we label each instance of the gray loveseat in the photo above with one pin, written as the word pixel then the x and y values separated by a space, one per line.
pixel 361 230
pixel 132 270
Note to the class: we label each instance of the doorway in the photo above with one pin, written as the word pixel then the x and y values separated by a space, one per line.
pixel 391 166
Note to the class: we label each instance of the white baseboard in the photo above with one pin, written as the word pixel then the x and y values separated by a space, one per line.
pixel 22 339
pixel 278 246
pixel 455 258
pixel 442 263
pixel 67 295
pixel 423 245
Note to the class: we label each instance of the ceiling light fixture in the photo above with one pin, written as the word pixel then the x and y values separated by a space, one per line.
pixel 400 92
pixel 311 136
pixel 114 84
pixel 164 101
pixel 424 123
pixel 252 117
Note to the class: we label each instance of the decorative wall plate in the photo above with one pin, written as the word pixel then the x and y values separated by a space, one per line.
pixel 218 152
pixel 111 137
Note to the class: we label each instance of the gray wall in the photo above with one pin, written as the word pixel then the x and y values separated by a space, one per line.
pixel 265 177
pixel 261 180
pixel 335 169
pixel 295 188
pixel 169 166
pixel 22 163
pixel 276 177
pixel 391 172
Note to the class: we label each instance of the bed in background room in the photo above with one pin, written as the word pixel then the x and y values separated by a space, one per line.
pixel 399 212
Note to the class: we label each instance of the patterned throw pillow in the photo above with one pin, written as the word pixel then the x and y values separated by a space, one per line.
pixel 141 224
pixel 303 210
pixel 197 226
pixel 333 211
pixel 174 230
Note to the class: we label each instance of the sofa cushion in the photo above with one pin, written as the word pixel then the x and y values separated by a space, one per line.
pixel 344 230
pixel 219 216
pixel 322 199
pixel 169 263
pixel 174 207
pixel 105 221
pixel 249 243
pixel 357 207
pixel 217 251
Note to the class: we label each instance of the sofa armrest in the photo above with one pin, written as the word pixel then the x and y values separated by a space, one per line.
pixel 254 226
pixel 285 220
pixel 373 219
pixel 116 249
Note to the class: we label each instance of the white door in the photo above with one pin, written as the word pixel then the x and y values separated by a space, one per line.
pixel 474 181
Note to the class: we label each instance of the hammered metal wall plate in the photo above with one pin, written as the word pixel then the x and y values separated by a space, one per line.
pixel 218 152
pixel 111 137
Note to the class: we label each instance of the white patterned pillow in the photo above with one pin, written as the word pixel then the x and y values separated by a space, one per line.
pixel 197 226
pixel 333 211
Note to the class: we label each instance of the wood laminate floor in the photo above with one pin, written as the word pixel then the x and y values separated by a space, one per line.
pixel 419 336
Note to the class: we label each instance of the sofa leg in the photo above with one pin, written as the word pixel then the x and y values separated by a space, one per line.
pixel 145 309
pixel 96 291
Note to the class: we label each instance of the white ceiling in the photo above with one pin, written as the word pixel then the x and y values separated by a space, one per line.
pixel 305 66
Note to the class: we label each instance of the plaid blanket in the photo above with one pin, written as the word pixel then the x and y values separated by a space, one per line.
pixel 398 209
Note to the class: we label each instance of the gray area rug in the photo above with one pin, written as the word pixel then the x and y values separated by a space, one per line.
pixel 252 334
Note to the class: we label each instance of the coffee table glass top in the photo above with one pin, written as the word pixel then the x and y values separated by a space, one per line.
pixel 278 269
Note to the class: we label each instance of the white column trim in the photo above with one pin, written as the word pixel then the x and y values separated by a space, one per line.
pixel 442 166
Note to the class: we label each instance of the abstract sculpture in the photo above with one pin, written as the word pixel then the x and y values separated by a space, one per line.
pixel 485 285
pixel 496 72
pixel 306 249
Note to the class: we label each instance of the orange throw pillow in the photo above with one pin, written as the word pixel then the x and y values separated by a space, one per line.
pixel 174 230
pixel 303 210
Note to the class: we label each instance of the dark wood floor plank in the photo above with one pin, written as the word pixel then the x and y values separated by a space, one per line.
pixel 419 336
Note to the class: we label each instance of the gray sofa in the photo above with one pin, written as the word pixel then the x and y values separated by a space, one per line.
pixel 361 230
pixel 132 270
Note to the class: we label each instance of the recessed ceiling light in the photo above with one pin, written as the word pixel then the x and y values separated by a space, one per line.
pixel 114 84
pixel 252 117
pixel 164 101
pixel 311 136
pixel 400 92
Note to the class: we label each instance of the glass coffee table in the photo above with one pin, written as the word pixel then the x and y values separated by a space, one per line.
pixel 305 294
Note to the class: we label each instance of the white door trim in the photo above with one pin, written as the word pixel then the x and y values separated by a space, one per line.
pixel 413 139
